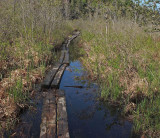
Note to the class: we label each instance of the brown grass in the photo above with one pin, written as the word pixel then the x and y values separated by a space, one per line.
pixel 126 65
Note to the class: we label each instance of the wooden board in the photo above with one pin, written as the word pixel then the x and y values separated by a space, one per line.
pixel 54 115
pixel 68 43
pixel 48 124
pixel 66 58
pixel 64 46
pixel 75 34
pixel 60 93
pixel 62 56
pixel 62 124
pixel 50 75
pixel 57 78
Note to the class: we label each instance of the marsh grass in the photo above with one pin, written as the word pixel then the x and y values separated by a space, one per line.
pixel 26 50
pixel 127 68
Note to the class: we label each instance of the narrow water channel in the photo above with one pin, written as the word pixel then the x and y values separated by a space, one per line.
pixel 88 117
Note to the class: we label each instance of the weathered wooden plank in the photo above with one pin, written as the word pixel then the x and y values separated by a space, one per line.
pixel 43 128
pixel 66 41
pixel 62 56
pixel 51 131
pixel 60 93
pixel 50 75
pixel 75 34
pixel 62 124
pixel 63 46
pixel 48 124
pixel 70 38
pixel 66 58
pixel 57 78
pixel 51 122
pixel 67 45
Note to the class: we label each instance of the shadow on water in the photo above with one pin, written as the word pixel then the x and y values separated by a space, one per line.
pixel 87 116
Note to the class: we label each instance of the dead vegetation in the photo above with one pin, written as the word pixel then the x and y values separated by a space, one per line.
pixel 28 34
pixel 126 67
pixel 16 84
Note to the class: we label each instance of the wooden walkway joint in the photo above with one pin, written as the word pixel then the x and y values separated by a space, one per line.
pixel 54 121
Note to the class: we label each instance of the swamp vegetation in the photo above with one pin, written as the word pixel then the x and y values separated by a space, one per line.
pixel 120 44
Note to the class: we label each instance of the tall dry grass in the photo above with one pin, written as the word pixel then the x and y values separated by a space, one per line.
pixel 29 30
pixel 127 67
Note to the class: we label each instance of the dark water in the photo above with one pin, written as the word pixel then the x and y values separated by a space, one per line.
pixel 87 116
pixel 30 120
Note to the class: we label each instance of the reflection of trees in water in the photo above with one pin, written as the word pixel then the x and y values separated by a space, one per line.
pixel 87 113
pixel 80 79
pixel 117 122
pixel 110 113
pixel 113 113
pixel 90 96
pixel 83 80
pixel 75 54
pixel 75 51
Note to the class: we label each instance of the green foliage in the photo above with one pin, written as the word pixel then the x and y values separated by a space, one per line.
pixel 17 92
pixel 28 34
pixel 147 115
pixel 125 65
pixel 119 57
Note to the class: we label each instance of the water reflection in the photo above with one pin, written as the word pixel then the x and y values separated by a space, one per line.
pixel 87 116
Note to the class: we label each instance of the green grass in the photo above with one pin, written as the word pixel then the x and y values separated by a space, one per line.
pixel 17 92
pixel 26 53
pixel 127 66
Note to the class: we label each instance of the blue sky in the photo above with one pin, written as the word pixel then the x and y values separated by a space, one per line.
pixel 143 1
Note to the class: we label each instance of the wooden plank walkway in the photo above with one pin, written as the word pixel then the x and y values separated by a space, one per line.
pixel 62 56
pixel 62 124
pixel 54 121
pixel 48 124
pixel 57 78
pixel 66 57
pixel 50 75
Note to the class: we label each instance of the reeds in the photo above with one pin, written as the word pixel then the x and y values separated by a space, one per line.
pixel 127 68
pixel 28 34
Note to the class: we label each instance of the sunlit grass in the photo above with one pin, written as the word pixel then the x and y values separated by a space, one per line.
pixel 127 68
